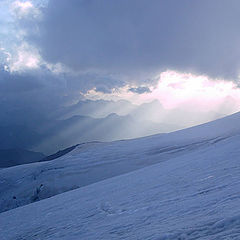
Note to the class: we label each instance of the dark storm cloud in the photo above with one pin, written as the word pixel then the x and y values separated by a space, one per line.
pixel 17 83
pixel 34 95
pixel 126 37
pixel 140 90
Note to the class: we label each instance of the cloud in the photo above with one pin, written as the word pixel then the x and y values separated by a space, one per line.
pixel 182 91
pixel 140 90
pixel 17 83
pixel 188 91
pixel 24 9
pixel 141 36
pixel 32 94
pixel 58 53
pixel 24 58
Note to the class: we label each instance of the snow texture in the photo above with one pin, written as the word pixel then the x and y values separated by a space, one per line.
pixel 190 191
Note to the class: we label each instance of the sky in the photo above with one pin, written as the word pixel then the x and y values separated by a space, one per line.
pixel 54 53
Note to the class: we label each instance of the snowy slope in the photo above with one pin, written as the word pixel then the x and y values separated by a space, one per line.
pixel 93 162
pixel 191 196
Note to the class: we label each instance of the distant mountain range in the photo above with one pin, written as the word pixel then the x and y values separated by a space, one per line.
pixel 150 111
pixel 97 109
pixel 59 134
pixel 13 157
pixel 52 135
pixel 89 120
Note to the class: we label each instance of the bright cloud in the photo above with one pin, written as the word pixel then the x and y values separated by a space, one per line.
pixel 185 91
pixel 175 89
pixel 23 9
pixel 25 58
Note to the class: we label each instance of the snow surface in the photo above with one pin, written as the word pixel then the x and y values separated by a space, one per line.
pixel 92 162
pixel 191 191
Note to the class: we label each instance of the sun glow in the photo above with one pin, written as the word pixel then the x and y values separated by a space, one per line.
pixel 174 89
pixel 184 91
